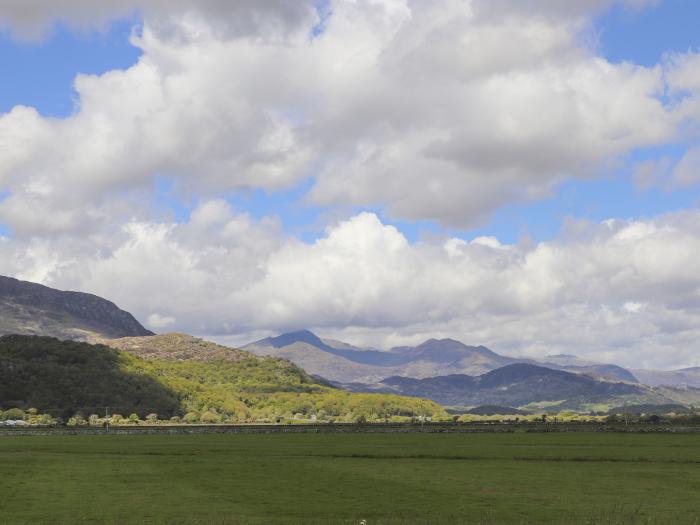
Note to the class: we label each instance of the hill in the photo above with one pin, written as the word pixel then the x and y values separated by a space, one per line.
pixel 518 385
pixel 572 363
pixel 33 309
pixel 344 363
pixel 176 347
pixel 218 384
pixel 64 377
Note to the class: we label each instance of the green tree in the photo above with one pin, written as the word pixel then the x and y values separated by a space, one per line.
pixel 209 417
pixel 77 421
pixel 14 414
pixel 191 417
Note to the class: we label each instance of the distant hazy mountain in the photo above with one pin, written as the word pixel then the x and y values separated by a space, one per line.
pixel 518 385
pixel 341 362
pixel 345 363
pixel 33 309
pixel 682 377
pixel 572 363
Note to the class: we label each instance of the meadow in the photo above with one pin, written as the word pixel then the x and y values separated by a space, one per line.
pixel 346 478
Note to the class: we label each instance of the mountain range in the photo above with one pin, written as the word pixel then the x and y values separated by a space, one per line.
pixel 452 373
pixel 344 363
pixel 443 370
pixel 525 386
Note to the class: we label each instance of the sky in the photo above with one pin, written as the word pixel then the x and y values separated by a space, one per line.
pixel 519 174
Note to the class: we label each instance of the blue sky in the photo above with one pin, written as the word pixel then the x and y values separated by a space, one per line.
pixel 41 74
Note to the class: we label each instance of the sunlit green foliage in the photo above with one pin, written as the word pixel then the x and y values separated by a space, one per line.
pixel 81 383
pixel 266 389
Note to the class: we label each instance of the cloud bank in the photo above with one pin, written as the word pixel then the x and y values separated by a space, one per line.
pixel 619 290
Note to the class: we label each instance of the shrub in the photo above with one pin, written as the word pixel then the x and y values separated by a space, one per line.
pixel 77 421
pixel 13 413
pixel 191 417
pixel 209 417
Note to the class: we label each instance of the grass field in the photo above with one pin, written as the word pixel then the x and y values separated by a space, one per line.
pixel 341 478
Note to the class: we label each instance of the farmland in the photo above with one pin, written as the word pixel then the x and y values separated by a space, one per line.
pixel 345 478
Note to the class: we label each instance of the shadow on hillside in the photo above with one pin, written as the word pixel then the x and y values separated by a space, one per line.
pixel 66 377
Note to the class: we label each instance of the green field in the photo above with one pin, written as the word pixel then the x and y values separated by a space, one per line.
pixel 345 478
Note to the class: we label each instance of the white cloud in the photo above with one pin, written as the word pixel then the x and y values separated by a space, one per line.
pixel 687 171
pixel 622 290
pixel 443 110
pixel 32 19
pixel 159 322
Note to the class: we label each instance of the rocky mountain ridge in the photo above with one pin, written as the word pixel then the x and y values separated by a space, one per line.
pixel 344 363
pixel 28 308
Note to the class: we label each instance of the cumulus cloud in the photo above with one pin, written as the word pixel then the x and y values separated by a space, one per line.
pixel 159 322
pixel 443 110
pixel 687 171
pixel 32 19
pixel 625 291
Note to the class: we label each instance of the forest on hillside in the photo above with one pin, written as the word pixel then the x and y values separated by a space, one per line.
pixel 68 379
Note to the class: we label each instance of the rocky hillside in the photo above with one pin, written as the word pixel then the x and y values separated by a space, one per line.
pixel 33 309
pixel 176 347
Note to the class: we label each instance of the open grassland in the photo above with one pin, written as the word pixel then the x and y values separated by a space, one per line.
pixel 345 478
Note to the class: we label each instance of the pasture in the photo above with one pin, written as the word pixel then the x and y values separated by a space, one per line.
pixel 345 478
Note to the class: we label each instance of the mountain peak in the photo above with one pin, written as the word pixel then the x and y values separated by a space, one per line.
pixel 298 336
pixel 441 342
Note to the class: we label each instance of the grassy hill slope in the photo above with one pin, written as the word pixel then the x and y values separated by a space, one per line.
pixel 217 385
